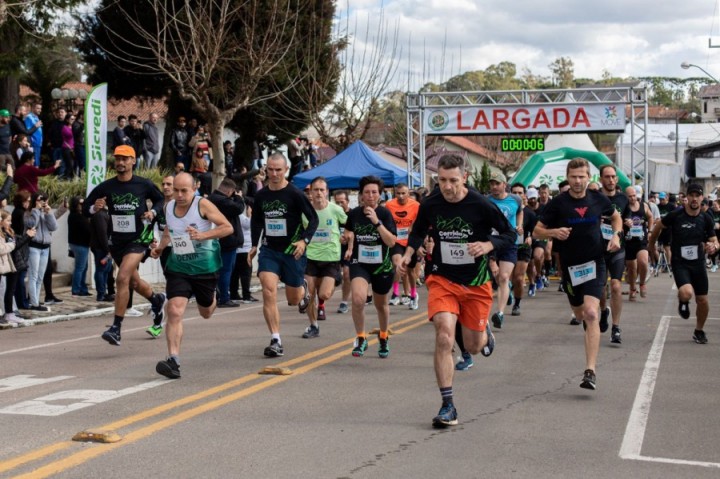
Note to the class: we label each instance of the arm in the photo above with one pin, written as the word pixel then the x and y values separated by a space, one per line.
pixel 222 225
pixel 5 190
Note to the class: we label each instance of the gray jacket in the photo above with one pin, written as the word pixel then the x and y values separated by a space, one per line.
pixel 152 144
pixel 44 224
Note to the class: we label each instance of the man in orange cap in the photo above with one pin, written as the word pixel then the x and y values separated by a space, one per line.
pixel 126 198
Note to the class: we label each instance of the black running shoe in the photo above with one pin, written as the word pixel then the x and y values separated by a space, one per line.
pixel 488 349
pixel 615 335
pixel 588 381
pixel 305 301
pixel 574 321
pixel 604 315
pixel 157 307
pixel 112 336
pixel 275 349
pixel 168 368
pixel 516 310
pixel 684 310
pixel 383 348
pixel 699 336
pixel 311 332
pixel 497 319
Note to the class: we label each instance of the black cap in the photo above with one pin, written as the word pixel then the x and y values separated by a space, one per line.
pixel 694 188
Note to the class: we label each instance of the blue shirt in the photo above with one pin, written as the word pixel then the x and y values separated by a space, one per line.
pixel 36 138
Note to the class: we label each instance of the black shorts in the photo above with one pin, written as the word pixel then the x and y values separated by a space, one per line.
pixel 694 274
pixel 343 261
pixel 615 264
pixel 203 286
pixel 524 253
pixel 381 283
pixel 400 249
pixel 119 251
pixel 594 287
pixel 541 244
pixel 633 247
pixel 665 237
pixel 323 269
pixel 508 254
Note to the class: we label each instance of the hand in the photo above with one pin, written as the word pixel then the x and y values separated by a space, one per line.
pixel 614 244
pixel 479 248
pixel 57 165
pixel 562 233
pixel 38 123
pixel 710 247
pixel 99 203
pixel 251 255
pixel 370 214
pixel 9 170
pixel 403 264
pixel 348 254
pixel 149 215
pixel 31 232
pixel 299 249
pixel 155 252
pixel 194 234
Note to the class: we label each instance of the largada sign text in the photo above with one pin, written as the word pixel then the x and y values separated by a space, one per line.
pixel 523 119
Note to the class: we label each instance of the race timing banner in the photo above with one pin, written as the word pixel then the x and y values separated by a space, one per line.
pixel 523 119
pixel 96 135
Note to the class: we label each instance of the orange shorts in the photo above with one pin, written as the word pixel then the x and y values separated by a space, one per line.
pixel 471 304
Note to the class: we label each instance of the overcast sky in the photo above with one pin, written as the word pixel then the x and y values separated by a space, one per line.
pixel 625 37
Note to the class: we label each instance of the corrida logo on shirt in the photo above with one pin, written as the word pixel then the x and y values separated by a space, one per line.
pixel 125 202
pixel 453 228
pixel 366 233
pixel 274 209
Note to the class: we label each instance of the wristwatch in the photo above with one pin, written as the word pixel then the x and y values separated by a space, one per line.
pixel 378 224
pixel 307 241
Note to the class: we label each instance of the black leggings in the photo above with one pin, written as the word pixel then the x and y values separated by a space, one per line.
pixel 241 276
pixel 10 284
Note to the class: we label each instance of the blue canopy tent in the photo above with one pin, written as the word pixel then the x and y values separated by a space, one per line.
pixel 346 169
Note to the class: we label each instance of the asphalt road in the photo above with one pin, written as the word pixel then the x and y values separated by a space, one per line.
pixel 522 412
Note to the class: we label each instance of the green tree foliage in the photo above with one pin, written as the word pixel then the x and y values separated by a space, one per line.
pixel 563 71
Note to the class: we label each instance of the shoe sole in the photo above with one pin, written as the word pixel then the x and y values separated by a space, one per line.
pixel 310 336
pixel 616 341
pixel 272 353
pixel 383 355
pixel 110 339
pixel 163 369
pixel 587 385
pixel 153 335
pixel 515 313
pixel 358 354
pixel 699 341
pixel 574 322
pixel 438 424
pixel 463 368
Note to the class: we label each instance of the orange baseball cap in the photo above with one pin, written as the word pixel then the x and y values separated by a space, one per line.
pixel 124 150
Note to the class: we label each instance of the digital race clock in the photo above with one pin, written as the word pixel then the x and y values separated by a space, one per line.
pixel 522 144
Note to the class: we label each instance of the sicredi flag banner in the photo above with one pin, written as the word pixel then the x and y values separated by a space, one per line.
pixel 96 135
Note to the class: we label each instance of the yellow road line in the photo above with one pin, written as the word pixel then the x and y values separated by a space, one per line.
pixel 90 453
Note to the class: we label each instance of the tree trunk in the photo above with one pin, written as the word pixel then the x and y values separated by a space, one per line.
pixel 216 128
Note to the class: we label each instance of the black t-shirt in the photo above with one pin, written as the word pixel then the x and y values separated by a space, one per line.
pixel 279 214
pixel 639 230
pixel 127 202
pixel 688 233
pixel 452 226
pixel 622 206
pixel 584 216
pixel 368 247
pixel 530 219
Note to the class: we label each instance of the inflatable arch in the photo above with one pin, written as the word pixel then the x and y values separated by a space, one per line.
pixel 532 167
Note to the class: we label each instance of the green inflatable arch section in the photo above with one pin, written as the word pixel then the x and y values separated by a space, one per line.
pixel 533 165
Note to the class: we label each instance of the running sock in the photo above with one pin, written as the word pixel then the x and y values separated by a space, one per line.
pixel 321 303
pixel 517 301
pixel 447 396
pixel 276 336
pixel 117 322
pixel 383 335
pixel 396 289
pixel 548 265
pixel 177 359
pixel 413 292
pixel 459 337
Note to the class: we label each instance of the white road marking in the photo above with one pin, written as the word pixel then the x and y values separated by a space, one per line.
pixel 81 398
pixel 27 380
pixel 631 447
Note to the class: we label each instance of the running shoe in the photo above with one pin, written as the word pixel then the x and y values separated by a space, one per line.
pixel 112 336
pixel 275 349
pixel 615 335
pixel 684 310
pixel 228 304
pixel 133 313
pixel 155 331
pixel 405 300
pixel 604 315
pixel 305 301
pixel 561 287
pixel 42 309
pixel 446 417
pixel 545 282
pixel 368 301
pixel 157 308
pixel 531 290
pixel 249 300
pixel 414 302
pixel 515 310
pixel 321 313
pixel 168 368
pixel 311 332
pixel 359 346
pixel 465 363
pixel 53 300
pixel 713 269
pixel 574 321
pixel 3 321
pixel 511 297
pixel 383 348
pixel 490 346
pixel 539 284
pixel 497 319
pixel 588 381
pixel 699 336
pixel 343 308
pixel 394 300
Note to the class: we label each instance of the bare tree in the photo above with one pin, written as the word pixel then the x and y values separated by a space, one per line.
pixel 367 64
pixel 215 53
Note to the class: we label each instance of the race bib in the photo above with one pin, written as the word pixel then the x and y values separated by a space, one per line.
pixel 182 244
pixel 689 252
pixel 369 254
pixel 321 236
pixel 607 231
pixel 403 233
pixel 636 232
pixel 455 253
pixel 275 227
pixel 582 273
pixel 123 223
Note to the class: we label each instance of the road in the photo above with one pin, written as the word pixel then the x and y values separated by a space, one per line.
pixel 522 412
